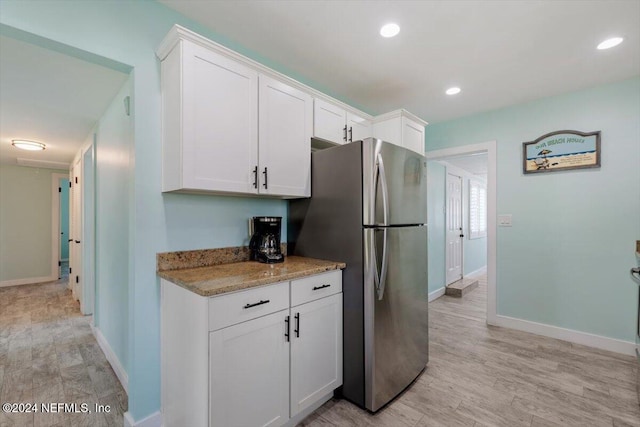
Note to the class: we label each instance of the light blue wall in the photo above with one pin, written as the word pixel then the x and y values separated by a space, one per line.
pixel 566 259
pixel 436 179
pixel 128 33
pixel 113 187
pixel 64 218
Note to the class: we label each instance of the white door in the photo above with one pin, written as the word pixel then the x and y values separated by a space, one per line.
pixel 220 122
pixel 358 128
pixel 75 230
pixel 454 228
pixel 329 122
pixel 249 373
pixel 316 351
pixel 284 156
pixel 88 230
pixel 412 135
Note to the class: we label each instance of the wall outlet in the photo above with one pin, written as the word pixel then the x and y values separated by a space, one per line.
pixel 504 220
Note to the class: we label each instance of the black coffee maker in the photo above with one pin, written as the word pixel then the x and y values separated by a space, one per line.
pixel 265 240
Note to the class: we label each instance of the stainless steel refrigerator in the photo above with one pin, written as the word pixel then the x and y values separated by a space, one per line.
pixel 368 208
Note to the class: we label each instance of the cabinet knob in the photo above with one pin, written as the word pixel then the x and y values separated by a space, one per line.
pixel 265 177
pixel 286 330
pixel 265 301
pixel 255 177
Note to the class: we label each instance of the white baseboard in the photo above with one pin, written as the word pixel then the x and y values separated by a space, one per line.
pixel 437 293
pixel 582 338
pixel 112 358
pixel 481 270
pixel 153 420
pixel 28 281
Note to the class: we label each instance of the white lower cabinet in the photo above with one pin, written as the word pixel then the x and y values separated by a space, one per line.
pixel 316 351
pixel 267 356
pixel 249 373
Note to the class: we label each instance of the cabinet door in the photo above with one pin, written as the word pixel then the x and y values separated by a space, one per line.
pixel 249 373
pixel 316 351
pixel 412 135
pixel 286 121
pixel 220 122
pixel 329 122
pixel 358 127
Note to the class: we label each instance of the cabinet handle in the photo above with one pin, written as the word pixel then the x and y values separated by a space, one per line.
pixel 351 134
pixel 265 177
pixel 77 241
pixel 286 323
pixel 315 288
pixel 262 301
pixel 345 133
pixel 255 177
pixel 297 329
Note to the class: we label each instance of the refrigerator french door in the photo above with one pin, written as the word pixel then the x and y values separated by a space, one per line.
pixel 368 209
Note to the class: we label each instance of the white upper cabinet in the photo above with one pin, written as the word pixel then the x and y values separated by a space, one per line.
pixel 358 127
pixel 210 121
pixel 401 128
pixel 338 125
pixel 229 126
pixel 286 121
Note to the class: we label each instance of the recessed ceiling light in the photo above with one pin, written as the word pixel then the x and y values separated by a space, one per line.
pixel 389 30
pixel 452 90
pixel 27 145
pixel 614 41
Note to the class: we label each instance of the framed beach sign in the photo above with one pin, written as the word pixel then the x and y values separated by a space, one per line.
pixel 562 150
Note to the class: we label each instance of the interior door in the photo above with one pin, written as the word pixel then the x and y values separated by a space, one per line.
pixel 75 233
pixel 454 228
pixel 396 311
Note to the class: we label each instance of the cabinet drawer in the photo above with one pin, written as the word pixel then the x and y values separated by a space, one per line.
pixel 227 310
pixel 314 287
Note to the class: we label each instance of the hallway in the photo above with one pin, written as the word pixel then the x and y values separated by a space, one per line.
pixel 48 354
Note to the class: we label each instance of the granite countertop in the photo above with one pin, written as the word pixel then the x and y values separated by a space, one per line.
pixel 218 279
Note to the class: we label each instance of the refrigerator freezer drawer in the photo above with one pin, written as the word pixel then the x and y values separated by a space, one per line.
pixel 396 311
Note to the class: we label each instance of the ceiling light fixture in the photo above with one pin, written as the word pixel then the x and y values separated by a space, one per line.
pixel 28 145
pixel 608 43
pixel 453 91
pixel 389 30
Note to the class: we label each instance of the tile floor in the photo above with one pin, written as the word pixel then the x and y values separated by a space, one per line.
pixel 477 375
pixel 48 354
pixel 489 376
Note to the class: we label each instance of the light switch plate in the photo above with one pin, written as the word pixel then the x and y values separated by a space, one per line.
pixel 504 220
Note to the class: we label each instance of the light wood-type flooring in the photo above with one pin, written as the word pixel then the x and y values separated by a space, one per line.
pixel 488 376
pixel 48 354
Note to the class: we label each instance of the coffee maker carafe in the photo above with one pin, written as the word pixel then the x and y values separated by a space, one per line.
pixel 265 240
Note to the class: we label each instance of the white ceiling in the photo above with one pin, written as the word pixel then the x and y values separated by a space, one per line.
pixel 475 164
pixel 499 52
pixel 50 97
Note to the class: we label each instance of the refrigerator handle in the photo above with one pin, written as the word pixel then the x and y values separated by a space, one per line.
pixel 385 189
pixel 385 265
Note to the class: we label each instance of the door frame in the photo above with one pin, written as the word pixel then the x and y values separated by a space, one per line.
pixel 55 223
pixel 490 148
pixel 450 171
pixel 88 226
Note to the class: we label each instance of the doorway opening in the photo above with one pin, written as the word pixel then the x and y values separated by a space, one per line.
pixel 63 235
pixel 466 234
